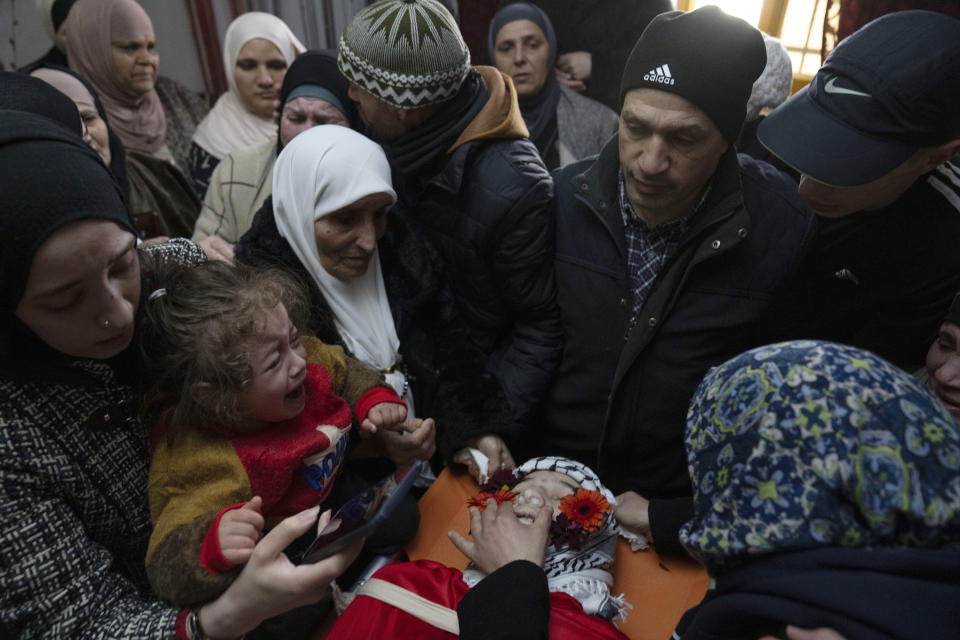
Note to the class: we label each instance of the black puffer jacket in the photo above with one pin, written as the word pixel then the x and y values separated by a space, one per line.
pixel 488 211
pixel 620 399
pixel 444 369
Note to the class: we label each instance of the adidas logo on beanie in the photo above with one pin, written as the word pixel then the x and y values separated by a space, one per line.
pixel 706 56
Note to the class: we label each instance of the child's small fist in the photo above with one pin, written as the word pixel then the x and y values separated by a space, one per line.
pixel 385 415
pixel 239 530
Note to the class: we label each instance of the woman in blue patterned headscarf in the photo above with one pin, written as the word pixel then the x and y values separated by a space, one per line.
pixel 827 493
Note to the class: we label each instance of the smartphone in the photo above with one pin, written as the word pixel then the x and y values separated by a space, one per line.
pixel 362 514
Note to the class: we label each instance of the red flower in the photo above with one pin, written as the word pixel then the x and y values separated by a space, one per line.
pixel 586 508
pixel 480 500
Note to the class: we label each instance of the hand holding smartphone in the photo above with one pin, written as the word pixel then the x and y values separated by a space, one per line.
pixel 362 514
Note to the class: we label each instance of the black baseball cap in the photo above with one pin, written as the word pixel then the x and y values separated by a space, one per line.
pixel 887 90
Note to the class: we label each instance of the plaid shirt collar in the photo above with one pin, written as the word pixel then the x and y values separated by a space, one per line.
pixel 648 249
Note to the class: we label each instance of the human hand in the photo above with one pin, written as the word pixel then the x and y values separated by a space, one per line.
pixel 239 530
pixel 217 248
pixel 416 440
pixel 633 513
pixel 270 584
pixel 796 633
pixel 492 446
pixel 574 68
pixel 499 537
pixel 385 415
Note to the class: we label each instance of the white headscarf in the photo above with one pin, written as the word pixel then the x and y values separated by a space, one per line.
pixel 320 171
pixel 229 126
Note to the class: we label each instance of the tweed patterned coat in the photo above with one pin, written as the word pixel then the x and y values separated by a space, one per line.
pixel 74 520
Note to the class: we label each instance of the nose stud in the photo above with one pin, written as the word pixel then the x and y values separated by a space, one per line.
pixel 106 323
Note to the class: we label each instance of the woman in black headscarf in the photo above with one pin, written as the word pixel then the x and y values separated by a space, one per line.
pixel 564 125
pixel 101 138
pixel 314 92
pixel 74 518
pixel 19 92
pixel 159 197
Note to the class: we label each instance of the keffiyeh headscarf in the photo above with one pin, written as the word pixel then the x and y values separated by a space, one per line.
pixel 92 27
pixel 583 573
pixel 807 444
pixel 229 126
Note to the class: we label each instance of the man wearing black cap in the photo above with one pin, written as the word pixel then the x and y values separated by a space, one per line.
pixel 673 255
pixel 872 135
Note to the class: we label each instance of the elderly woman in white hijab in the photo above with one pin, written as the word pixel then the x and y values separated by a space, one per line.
pixel 257 50
pixel 376 288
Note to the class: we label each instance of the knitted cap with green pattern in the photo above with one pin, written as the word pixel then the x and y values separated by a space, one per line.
pixel 408 53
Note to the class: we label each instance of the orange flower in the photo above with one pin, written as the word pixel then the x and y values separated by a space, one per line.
pixel 480 500
pixel 585 507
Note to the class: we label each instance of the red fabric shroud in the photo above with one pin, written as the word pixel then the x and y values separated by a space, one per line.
pixel 370 618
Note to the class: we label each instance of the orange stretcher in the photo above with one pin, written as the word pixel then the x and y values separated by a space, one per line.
pixel 660 589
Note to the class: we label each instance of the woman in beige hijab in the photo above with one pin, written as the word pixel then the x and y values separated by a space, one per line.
pixel 257 50
pixel 111 44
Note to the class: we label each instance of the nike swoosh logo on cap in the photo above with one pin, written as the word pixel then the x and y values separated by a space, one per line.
pixel 831 87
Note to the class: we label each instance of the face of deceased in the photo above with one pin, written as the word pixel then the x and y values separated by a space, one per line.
pixel 541 489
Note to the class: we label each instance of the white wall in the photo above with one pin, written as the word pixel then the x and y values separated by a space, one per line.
pixel 22 37
pixel 178 53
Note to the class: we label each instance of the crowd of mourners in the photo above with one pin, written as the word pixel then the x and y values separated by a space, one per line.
pixel 637 291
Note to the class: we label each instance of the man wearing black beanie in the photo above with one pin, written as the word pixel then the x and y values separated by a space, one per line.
pixel 673 255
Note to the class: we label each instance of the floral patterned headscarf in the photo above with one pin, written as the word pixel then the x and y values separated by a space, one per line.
pixel 805 444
